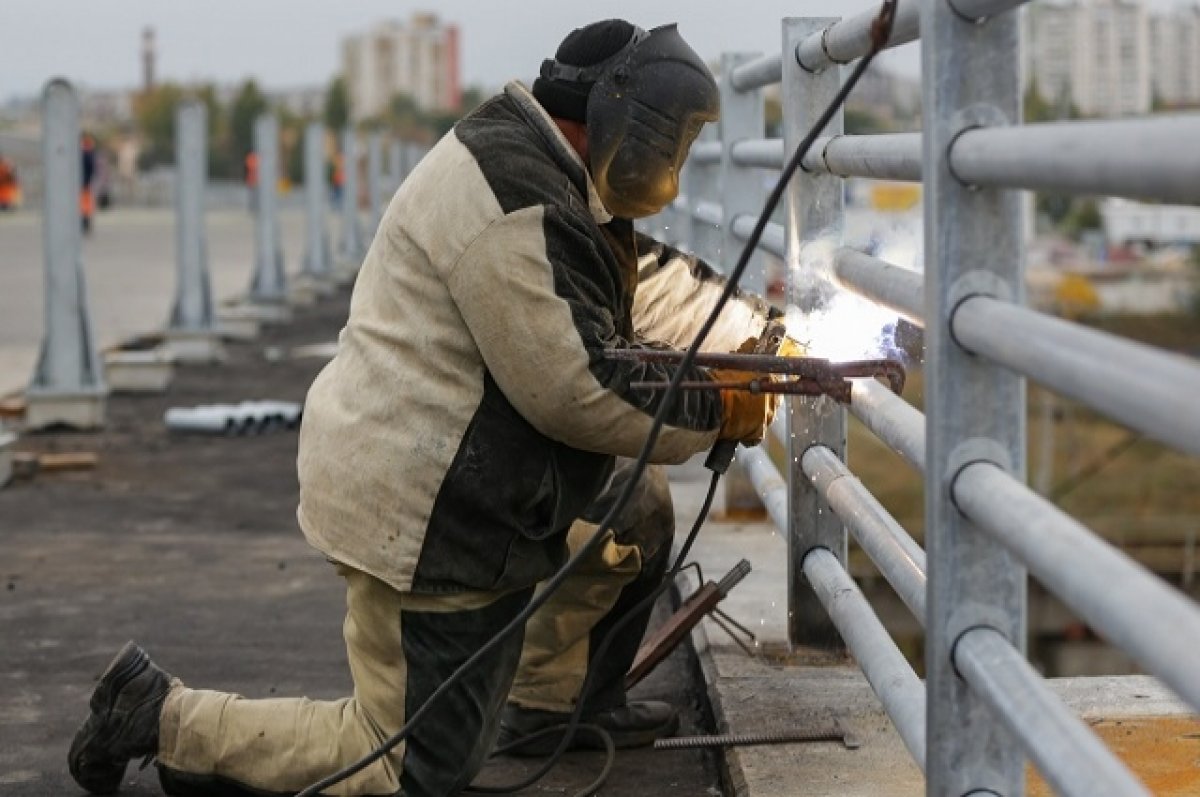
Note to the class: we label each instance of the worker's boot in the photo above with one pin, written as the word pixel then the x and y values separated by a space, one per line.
pixel 636 724
pixel 123 725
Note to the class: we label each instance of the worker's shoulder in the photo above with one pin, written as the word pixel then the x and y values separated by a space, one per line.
pixel 513 157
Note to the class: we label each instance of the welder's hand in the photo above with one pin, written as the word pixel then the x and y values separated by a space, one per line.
pixel 791 348
pixel 746 414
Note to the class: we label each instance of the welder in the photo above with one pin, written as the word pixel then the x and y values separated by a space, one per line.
pixel 470 432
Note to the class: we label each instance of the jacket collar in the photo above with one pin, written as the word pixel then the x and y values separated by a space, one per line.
pixel 562 150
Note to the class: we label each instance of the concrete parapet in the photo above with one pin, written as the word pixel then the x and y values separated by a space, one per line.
pixel 79 410
pixel 148 371
pixel 186 346
pixel 7 439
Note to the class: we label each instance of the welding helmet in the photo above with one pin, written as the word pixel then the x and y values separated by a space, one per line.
pixel 645 107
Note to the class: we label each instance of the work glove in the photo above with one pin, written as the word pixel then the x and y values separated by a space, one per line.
pixel 790 347
pixel 746 415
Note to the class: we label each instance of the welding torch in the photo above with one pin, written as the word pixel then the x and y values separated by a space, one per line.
pixel 809 376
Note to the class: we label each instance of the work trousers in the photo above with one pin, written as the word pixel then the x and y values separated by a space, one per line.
pixel 402 646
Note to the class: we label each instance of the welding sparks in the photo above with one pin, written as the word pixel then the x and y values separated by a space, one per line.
pixel 833 322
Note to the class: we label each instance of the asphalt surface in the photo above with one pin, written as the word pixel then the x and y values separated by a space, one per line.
pixel 188 544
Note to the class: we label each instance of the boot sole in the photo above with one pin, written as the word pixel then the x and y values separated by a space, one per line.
pixel 115 677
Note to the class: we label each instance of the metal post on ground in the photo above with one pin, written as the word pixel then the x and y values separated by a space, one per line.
pixel 814 228
pixel 317 267
pixel 374 182
pixel 743 117
pixel 193 335
pixel 975 409
pixel 268 286
pixel 350 247
pixel 68 384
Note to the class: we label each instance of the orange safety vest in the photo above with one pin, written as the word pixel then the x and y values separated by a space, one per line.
pixel 252 169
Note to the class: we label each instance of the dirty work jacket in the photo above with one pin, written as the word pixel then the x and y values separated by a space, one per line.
pixel 468 417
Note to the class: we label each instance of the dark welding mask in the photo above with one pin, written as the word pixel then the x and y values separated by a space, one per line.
pixel 647 106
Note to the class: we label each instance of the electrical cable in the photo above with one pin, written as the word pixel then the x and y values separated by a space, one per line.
pixel 880 31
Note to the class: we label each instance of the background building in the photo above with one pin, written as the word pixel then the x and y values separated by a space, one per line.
pixel 1175 56
pixel 419 58
pixel 1113 57
pixel 1093 55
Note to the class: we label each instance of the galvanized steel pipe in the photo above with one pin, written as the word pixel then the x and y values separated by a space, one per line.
pixel 774 236
pixel 894 682
pixel 891 418
pixel 762 153
pixel 890 547
pixel 1154 158
pixel 850 39
pixel 896 288
pixel 757 74
pixel 771 487
pixel 1127 604
pixel 890 156
pixel 705 153
pixel 708 212
pixel 1068 754
pixel 1151 390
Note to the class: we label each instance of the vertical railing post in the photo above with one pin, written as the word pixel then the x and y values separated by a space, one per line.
pixel 269 284
pixel 743 116
pixel 350 247
pixel 706 179
pixel 193 335
pixel 374 182
pixel 685 225
pixel 975 410
pixel 68 384
pixel 814 226
pixel 317 256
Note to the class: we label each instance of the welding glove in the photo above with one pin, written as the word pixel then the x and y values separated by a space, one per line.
pixel 790 347
pixel 746 415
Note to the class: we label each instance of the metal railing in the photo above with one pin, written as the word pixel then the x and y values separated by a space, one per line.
pixel 983 710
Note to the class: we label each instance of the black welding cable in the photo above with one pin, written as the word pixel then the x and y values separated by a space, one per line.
pixel 880 32
pixel 575 723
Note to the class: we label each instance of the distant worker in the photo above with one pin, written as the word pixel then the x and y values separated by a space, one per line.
pixel 10 185
pixel 470 432
pixel 87 199
pixel 251 177
pixel 337 178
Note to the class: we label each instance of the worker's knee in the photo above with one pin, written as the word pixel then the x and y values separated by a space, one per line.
pixel 648 520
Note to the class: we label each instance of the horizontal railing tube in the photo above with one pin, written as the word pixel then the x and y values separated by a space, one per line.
pixel 706 152
pixel 891 548
pixel 896 288
pixel 762 153
pixel 891 418
pixel 756 74
pixel 1068 754
pixel 771 486
pixel 1127 604
pixel 1148 389
pixel 979 10
pixel 850 39
pixel 774 237
pixel 709 213
pixel 897 686
pixel 1153 158
pixel 890 156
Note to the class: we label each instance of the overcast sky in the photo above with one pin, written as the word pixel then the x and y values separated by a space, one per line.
pixel 291 43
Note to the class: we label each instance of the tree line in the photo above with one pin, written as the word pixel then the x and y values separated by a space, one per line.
pixel 231 124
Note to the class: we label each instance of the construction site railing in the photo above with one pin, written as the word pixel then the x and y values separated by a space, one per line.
pixel 983 710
